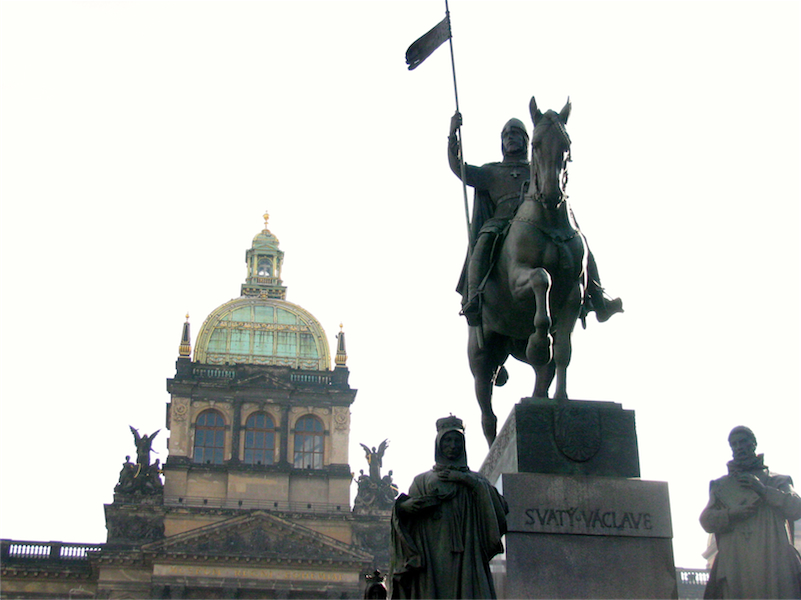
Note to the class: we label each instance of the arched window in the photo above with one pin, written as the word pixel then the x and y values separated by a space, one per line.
pixel 308 443
pixel 265 268
pixel 209 438
pixel 259 439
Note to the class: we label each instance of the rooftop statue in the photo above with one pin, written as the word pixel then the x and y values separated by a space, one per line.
pixel 374 459
pixel 449 526
pixel 751 511
pixel 143 477
pixel 144 444
pixel 530 274
pixel 374 493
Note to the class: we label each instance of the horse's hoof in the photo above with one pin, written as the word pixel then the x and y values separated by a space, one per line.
pixel 539 352
pixel 501 376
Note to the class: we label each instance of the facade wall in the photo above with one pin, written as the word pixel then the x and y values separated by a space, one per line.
pixel 237 479
pixel 264 487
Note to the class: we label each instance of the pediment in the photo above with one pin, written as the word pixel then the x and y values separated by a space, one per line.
pixel 267 380
pixel 257 536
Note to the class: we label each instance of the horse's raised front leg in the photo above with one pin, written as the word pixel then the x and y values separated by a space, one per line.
pixel 484 362
pixel 535 284
pixel 563 346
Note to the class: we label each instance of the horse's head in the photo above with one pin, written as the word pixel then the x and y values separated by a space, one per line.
pixel 550 153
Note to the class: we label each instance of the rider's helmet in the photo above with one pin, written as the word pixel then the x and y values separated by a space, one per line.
pixel 515 124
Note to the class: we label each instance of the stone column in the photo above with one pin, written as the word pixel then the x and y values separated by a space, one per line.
pixel 236 427
pixel 284 451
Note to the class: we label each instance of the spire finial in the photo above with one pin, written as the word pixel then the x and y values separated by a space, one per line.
pixel 341 358
pixel 185 348
pixel 266 219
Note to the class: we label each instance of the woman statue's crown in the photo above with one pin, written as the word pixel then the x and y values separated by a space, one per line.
pixel 450 422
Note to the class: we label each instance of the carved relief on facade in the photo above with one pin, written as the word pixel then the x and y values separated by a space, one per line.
pixel 134 528
pixel 263 536
pixel 340 433
pixel 179 426
pixel 341 418
pixel 180 408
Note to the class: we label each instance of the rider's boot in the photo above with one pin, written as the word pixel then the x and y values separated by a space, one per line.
pixel 598 301
pixel 609 306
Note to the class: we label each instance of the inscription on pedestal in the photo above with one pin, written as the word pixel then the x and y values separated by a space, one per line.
pixel 586 505
pixel 577 520
pixel 587 537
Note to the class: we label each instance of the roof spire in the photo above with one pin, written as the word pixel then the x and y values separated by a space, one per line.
pixel 185 349
pixel 341 357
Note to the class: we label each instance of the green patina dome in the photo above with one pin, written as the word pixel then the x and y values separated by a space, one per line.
pixel 263 331
pixel 261 327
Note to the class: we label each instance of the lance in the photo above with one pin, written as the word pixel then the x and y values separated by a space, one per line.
pixel 459 135
pixel 421 49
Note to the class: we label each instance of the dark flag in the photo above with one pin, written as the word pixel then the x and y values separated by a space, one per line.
pixel 424 47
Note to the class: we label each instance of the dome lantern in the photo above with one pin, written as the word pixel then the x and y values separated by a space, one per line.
pixel 264 261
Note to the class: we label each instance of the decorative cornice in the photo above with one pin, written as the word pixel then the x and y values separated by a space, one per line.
pixel 44 573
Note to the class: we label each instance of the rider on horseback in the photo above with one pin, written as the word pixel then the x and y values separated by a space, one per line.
pixel 498 194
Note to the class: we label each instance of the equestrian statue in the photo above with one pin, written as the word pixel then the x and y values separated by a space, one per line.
pixel 529 275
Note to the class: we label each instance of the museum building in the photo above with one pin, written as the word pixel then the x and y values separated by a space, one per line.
pixel 255 499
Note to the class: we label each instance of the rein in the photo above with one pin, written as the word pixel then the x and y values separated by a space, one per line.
pixel 552 122
pixel 558 238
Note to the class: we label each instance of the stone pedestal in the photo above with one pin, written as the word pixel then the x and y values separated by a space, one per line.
pixel 581 525
pixel 576 437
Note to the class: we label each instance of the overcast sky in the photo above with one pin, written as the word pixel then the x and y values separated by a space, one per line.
pixel 141 142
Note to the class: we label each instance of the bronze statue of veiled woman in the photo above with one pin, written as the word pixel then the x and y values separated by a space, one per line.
pixel 445 531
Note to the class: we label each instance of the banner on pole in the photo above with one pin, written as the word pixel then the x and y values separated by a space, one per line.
pixel 424 47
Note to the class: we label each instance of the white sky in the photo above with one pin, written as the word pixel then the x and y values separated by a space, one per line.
pixel 142 141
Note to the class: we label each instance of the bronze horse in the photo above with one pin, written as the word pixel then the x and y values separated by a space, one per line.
pixel 534 293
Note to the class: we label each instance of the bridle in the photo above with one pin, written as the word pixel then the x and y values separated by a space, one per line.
pixel 552 120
